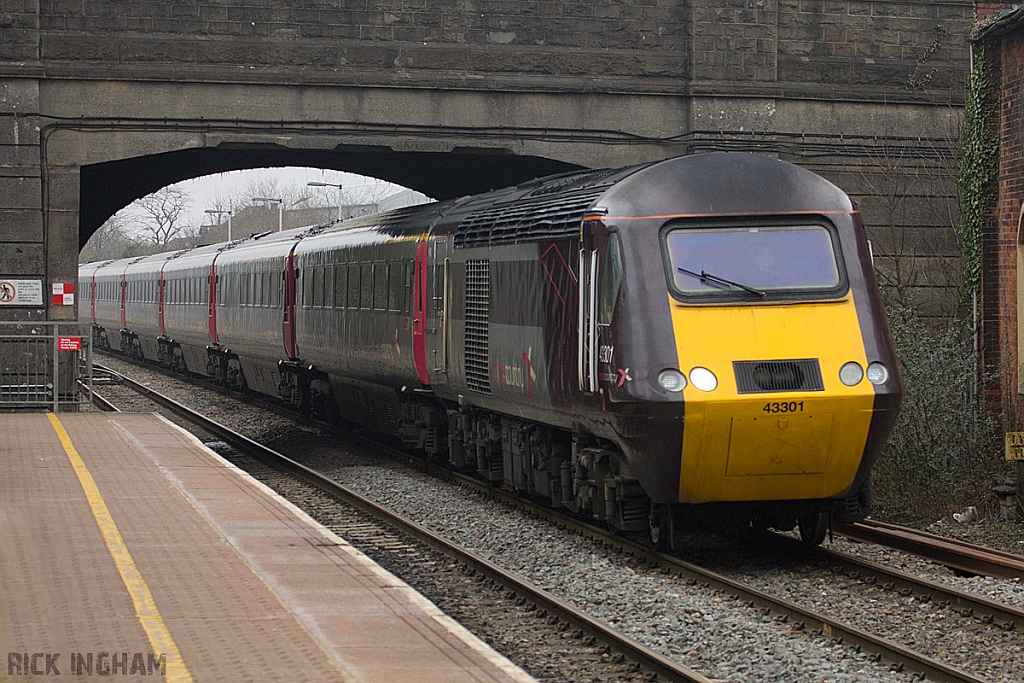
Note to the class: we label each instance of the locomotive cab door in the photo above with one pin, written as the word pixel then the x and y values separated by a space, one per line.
pixel 586 358
pixel 600 277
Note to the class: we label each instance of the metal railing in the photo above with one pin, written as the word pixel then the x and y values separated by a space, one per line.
pixel 43 364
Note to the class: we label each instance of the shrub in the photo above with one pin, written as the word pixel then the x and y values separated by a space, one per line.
pixel 945 449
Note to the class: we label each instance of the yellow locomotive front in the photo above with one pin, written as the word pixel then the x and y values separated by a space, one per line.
pixel 780 390
pixel 748 331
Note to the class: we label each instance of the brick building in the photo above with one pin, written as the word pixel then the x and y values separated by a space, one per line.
pixel 999 39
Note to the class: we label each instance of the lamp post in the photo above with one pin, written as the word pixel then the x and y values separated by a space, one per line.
pixel 337 185
pixel 219 213
pixel 280 209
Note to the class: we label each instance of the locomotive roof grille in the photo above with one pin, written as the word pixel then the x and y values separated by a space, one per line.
pixel 769 376
pixel 553 210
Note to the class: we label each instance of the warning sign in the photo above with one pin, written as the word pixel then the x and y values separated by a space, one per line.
pixel 63 293
pixel 1015 445
pixel 69 343
pixel 20 292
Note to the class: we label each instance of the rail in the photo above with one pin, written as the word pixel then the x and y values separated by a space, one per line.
pixel 42 364
pixel 953 553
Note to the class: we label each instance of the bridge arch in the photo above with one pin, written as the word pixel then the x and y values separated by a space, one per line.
pixel 108 186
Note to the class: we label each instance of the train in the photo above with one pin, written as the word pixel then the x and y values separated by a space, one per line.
pixel 695 338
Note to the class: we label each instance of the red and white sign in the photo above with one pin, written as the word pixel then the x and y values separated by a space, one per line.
pixel 69 343
pixel 63 293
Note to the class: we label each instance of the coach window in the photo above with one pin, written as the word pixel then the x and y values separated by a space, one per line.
pixel 307 287
pixel 353 287
pixel 366 285
pixel 380 286
pixel 340 286
pixel 608 280
pixel 396 286
pixel 318 287
pixel 329 287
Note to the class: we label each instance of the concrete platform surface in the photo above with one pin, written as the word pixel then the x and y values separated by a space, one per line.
pixel 129 548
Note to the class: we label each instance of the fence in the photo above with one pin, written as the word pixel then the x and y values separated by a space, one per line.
pixel 43 365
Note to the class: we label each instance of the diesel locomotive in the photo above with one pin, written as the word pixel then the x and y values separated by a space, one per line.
pixel 695 337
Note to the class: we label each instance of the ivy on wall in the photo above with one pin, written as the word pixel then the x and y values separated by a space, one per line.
pixel 979 168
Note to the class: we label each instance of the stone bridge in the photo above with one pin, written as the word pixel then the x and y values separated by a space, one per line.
pixel 104 101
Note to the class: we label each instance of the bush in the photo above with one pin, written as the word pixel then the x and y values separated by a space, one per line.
pixel 945 449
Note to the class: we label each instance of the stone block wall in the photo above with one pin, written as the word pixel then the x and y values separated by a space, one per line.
pixel 821 46
pixel 849 88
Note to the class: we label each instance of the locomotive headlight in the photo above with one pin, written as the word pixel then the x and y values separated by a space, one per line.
pixel 851 374
pixel 672 380
pixel 877 373
pixel 703 379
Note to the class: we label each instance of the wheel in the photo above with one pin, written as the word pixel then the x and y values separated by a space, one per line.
pixel 814 524
pixel 662 528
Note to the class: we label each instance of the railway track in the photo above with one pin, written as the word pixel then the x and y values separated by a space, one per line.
pixel 898 657
pixel 959 555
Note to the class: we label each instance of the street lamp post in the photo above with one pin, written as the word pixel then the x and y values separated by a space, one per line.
pixel 337 185
pixel 280 209
pixel 219 213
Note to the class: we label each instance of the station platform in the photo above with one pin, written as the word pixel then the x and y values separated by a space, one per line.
pixel 127 548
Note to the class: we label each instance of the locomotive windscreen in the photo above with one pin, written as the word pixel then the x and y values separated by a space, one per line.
pixel 753 262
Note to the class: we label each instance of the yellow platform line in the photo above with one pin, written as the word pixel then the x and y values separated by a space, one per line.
pixel 145 608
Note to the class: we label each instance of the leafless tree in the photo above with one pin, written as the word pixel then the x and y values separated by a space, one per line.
pixel 112 240
pixel 161 215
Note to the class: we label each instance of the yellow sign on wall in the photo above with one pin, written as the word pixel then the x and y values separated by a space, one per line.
pixel 1015 445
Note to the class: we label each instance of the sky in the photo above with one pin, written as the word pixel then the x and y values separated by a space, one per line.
pixel 206 191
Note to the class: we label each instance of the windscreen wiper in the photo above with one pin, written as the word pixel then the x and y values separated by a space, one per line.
pixel 705 276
